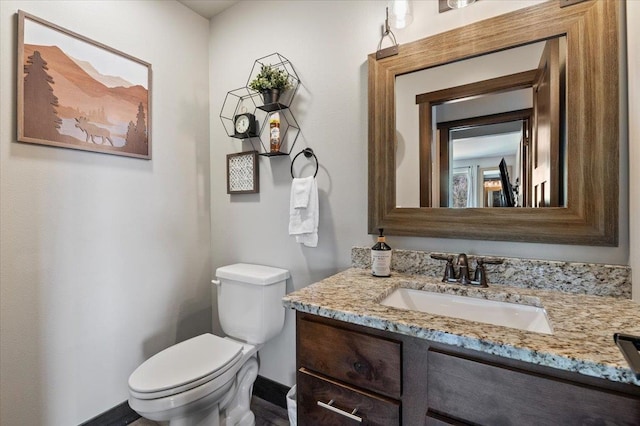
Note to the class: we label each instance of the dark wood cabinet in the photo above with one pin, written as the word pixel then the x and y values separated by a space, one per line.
pixel 488 393
pixel 346 377
pixel 354 358
pixel 327 402
pixel 386 378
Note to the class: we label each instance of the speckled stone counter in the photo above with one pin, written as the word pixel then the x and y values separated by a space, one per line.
pixel 570 277
pixel 583 324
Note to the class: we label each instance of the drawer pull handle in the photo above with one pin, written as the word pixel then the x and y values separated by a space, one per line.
pixel 330 406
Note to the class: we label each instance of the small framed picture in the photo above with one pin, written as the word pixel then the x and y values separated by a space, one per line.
pixel 242 173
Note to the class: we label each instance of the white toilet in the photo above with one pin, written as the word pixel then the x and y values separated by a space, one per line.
pixel 208 380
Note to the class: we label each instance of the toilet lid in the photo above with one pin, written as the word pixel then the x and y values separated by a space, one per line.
pixel 186 362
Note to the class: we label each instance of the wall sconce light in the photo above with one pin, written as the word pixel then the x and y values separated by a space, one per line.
pixel 401 14
pixel 458 4
pixel 445 5
pixel 388 51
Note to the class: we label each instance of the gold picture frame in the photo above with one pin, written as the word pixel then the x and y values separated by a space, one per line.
pixel 77 93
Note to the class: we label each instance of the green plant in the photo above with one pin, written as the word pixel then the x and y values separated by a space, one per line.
pixel 269 78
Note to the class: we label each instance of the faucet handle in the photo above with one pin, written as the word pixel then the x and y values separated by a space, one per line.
pixel 438 256
pixel 449 273
pixel 490 260
pixel 480 275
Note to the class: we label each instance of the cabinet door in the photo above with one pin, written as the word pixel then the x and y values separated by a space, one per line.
pixel 358 359
pixel 491 394
pixel 433 419
pixel 322 401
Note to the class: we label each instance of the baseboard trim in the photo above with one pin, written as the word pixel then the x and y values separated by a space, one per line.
pixel 121 414
pixel 271 391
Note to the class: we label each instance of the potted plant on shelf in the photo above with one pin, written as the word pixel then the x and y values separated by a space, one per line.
pixel 271 82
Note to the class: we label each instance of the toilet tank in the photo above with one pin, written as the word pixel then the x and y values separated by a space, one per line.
pixel 250 301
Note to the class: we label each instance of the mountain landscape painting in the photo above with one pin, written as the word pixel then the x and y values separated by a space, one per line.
pixel 77 93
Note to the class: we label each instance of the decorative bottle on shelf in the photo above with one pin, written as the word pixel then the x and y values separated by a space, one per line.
pixel 274 132
pixel 381 258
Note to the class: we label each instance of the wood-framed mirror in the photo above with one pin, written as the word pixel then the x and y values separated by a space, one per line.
pixel 589 212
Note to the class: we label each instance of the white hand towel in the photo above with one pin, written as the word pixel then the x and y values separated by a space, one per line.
pixel 303 221
pixel 300 192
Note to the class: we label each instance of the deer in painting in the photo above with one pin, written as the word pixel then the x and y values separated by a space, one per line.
pixel 93 131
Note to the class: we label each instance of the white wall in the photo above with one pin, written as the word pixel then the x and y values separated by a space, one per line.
pixel 328 43
pixel 105 260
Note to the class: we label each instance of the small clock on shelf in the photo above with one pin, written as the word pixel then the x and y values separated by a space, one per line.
pixel 244 125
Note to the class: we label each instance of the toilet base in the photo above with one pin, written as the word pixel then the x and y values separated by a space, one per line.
pixel 210 417
pixel 202 412
pixel 238 410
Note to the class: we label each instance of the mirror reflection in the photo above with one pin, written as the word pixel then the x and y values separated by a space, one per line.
pixel 484 132
pixel 475 178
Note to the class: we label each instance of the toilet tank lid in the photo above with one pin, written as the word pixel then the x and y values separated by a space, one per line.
pixel 252 274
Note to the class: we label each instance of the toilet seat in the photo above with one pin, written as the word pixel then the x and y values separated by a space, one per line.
pixel 184 366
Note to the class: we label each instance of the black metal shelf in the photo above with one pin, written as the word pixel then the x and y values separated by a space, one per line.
pixel 245 99
pixel 243 136
pixel 273 107
pixel 274 154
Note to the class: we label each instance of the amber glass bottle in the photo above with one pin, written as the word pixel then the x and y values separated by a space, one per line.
pixel 381 258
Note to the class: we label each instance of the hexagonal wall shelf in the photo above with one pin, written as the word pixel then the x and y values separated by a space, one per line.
pixel 279 62
pixel 236 102
pixel 246 100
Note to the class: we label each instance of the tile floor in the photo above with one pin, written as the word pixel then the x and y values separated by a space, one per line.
pixel 267 414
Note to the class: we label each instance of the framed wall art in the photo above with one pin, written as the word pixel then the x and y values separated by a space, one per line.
pixel 242 173
pixel 76 93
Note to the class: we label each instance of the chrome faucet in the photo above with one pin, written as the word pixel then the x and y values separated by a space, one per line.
pixel 463 271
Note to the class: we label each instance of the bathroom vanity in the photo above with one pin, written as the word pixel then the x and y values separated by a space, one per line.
pixel 359 360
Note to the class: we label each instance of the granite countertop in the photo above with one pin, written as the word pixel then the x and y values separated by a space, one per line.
pixel 583 325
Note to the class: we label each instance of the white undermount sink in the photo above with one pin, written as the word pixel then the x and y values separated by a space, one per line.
pixel 514 315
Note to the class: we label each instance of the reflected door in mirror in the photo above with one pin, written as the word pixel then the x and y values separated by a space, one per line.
pixel 546 168
pixel 447 117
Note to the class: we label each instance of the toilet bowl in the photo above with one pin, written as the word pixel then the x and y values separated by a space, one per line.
pixel 208 380
pixel 181 386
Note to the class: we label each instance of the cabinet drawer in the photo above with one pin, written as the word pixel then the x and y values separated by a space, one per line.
pixel 490 394
pixel 433 419
pixel 322 401
pixel 358 359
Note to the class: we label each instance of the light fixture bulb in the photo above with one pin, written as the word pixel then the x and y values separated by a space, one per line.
pixel 400 13
pixel 458 4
